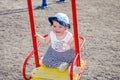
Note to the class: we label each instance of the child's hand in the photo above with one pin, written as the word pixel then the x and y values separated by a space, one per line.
pixel 37 35
pixel 72 45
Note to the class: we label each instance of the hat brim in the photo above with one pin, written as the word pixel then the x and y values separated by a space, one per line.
pixel 50 19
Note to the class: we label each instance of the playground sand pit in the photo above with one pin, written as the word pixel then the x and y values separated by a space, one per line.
pixel 98 21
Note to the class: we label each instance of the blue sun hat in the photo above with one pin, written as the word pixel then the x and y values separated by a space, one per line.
pixel 61 18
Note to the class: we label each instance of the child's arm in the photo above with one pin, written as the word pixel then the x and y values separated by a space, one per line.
pixel 42 39
pixel 72 43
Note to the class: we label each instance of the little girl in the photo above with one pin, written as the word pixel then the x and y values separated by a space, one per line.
pixel 61 52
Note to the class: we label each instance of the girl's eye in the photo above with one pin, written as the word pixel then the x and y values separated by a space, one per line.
pixel 60 26
pixel 54 26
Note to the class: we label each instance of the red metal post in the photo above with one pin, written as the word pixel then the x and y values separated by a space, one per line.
pixel 75 27
pixel 33 33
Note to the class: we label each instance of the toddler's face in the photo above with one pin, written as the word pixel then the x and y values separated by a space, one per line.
pixel 58 29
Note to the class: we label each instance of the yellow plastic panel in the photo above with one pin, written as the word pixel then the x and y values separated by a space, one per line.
pixel 45 73
pixel 38 79
pixel 49 73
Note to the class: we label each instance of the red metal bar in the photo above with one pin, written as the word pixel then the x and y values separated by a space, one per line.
pixel 24 66
pixel 75 27
pixel 75 59
pixel 33 33
pixel 72 65
pixel 81 45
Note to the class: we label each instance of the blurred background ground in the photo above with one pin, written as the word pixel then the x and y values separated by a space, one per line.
pixel 99 23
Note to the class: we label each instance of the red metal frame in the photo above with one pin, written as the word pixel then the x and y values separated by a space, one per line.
pixel 75 60
pixel 33 33
pixel 24 66
pixel 75 26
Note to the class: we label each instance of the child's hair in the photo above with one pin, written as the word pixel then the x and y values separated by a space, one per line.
pixel 61 18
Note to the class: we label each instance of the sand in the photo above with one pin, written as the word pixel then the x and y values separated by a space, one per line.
pixel 98 22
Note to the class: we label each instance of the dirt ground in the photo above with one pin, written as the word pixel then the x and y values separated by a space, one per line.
pixel 98 21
